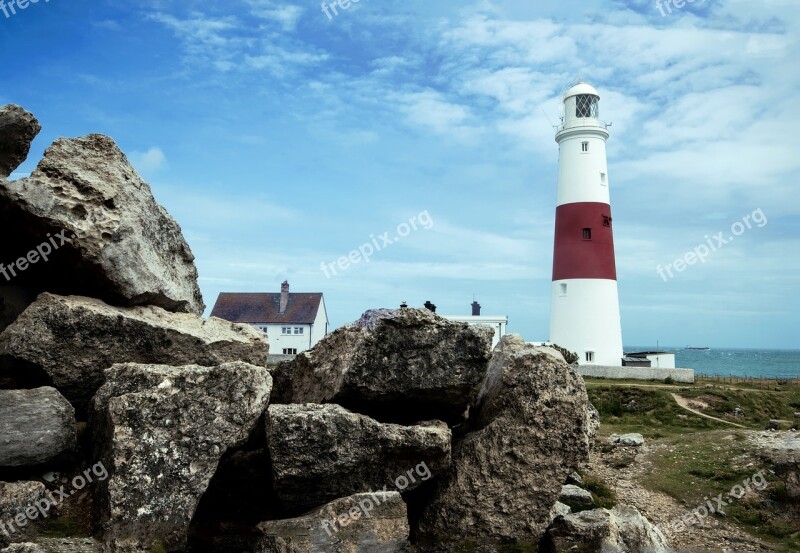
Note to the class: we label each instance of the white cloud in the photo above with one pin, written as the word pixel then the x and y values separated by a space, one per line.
pixel 150 161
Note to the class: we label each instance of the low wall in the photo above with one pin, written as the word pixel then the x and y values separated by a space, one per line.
pixel 637 373
pixel 274 359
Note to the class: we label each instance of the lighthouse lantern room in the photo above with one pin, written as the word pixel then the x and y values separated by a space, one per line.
pixel 584 315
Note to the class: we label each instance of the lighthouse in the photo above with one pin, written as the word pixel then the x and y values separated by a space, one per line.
pixel 584 313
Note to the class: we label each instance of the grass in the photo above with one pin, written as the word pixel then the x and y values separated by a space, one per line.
pixel 705 458
pixel 604 496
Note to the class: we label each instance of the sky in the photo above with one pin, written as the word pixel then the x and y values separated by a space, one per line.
pixel 282 139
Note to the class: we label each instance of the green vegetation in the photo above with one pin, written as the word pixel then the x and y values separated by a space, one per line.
pixel 702 457
pixel 604 496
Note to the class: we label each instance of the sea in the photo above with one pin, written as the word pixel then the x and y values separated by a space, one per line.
pixel 758 363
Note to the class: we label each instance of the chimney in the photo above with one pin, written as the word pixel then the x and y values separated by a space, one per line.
pixel 429 306
pixel 284 296
pixel 476 309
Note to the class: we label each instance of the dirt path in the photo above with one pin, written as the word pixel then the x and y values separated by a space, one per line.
pixel 684 402
pixel 712 536
pixel 590 383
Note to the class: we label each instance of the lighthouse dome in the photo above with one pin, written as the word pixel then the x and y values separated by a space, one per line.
pixel 579 89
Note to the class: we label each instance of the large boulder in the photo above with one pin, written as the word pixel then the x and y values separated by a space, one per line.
pixel 18 128
pixel 321 452
pixel 85 223
pixel 36 426
pixel 367 522
pixel 530 432
pixel 619 530
pixel 575 497
pixel 15 499
pixel 401 365
pixel 74 339
pixel 160 432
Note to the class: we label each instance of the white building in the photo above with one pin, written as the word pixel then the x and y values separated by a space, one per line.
pixel 584 315
pixel 498 323
pixel 293 322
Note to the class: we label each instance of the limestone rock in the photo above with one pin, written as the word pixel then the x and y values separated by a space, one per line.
pixel 620 530
pixel 26 547
pixel 161 432
pixel 18 128
pixel 401 365
pixel 36 426
pixel 575 497
pixel 15 499
pixel 101 232
pixel 367 522
pixel 322 452
pixel 559 510
pixel 626 440
pixel 74 339
pixel 531 431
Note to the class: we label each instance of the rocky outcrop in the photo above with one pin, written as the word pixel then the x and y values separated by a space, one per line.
pixel 621 530
pixel 531 432
pixel 321 452
pixel 781 452
pixel 26 547
pixel 401 365
pixel 36 427
pixel 161 432
pixel 367 522
pixel 15 499
pixel 74 339
pixel 576 498
pixel 18 128
pixel 95 230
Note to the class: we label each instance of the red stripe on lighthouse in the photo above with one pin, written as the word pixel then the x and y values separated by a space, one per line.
pixel 576 256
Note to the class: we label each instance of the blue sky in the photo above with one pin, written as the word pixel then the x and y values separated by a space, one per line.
pixel 281 139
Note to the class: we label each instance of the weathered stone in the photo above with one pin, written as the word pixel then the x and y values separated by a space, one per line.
pixel 15 499
pixel 559 510
pixel 575 497
pixel 620 530
pixel 18 128
pixel 74 339
pixel 593 424
pixel 36 426
pixel 321 452
pixel 69 545
pixel 626 440
pixel 400 365
pixel 367 522
pixel 161 432
pixel 102 233
pixel 574 478
pixel 531 431
pixel 26 547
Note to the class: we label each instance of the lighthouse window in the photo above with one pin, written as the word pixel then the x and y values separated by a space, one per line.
pixel 587 234
pixel 562 289
pixel 603 179
pixel 590 356
pixel 586 106
pixel 584 146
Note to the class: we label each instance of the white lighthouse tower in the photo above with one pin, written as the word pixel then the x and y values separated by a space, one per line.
pixel 584 315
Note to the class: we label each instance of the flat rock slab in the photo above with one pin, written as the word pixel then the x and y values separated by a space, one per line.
pixel 75 339
pixel 626 440
pixel 93 228
pixel 161 432
pixel 36 427
pixel 402 365
pixel 322 452
pixel 15 499
pixel 367 522
pixel 575 497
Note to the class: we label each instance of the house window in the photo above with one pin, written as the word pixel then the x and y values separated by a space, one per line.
pixel 264 329
pixel 603 179
pixel 587 234
pixel 584 147
pixel 562 289
pixel 286 330
pixel 290 351
pixel 298 330
pixel 590 357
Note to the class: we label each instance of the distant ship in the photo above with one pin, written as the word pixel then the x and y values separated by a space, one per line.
pixel 699 349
